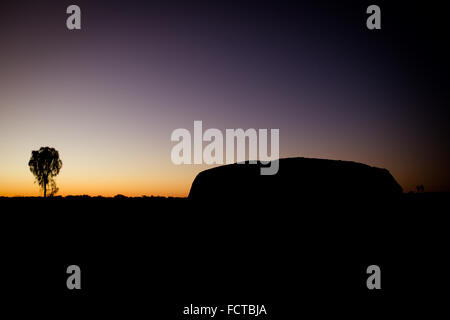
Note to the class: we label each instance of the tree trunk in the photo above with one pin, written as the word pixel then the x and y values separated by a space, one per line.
pixel 45 190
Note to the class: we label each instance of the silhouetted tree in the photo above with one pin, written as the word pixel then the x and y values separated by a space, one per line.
pixel 45 164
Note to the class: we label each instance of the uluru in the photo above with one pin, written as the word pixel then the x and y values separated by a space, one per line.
pixel 297 178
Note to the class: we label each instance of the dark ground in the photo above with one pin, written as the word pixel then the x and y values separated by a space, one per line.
pixel 153 256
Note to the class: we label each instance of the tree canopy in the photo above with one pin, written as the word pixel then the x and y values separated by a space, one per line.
pixel 45 164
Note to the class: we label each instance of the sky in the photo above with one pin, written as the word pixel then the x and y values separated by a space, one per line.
pixel 108 96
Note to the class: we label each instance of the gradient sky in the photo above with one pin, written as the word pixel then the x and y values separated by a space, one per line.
pixel 107 97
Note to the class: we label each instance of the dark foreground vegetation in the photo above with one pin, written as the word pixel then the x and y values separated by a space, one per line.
pixel 154 255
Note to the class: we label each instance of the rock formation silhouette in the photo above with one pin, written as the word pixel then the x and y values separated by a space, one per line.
pixel 297 179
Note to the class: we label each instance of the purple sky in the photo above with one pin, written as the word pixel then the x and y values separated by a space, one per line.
pixel 109 96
